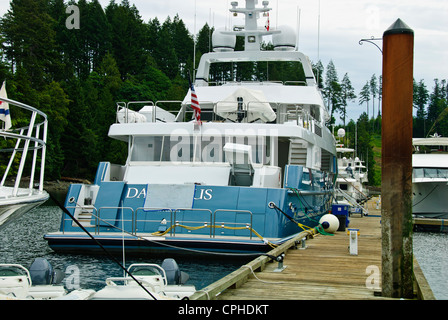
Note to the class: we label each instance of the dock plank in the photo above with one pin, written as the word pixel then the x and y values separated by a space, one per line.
pixel 324 270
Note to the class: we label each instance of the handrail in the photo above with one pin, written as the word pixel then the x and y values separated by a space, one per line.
pixel 176 223
pixel 171 224
pixel 30 136
pixel 115 220
pixel 235 223
pixel 134 230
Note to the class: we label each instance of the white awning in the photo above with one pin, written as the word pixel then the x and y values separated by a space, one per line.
pixel 254 104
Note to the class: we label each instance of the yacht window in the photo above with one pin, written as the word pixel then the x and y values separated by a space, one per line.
pixel 418 173
pixel 182 148
pixel 430 173
pixel 288 72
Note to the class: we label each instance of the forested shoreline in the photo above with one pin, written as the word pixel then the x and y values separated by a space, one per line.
pixel 76 76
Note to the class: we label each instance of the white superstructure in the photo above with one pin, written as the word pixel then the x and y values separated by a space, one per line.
pixel 430 177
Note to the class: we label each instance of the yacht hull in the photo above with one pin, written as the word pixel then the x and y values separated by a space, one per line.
pixel 193 218
pixel 14 207
pixel 430 199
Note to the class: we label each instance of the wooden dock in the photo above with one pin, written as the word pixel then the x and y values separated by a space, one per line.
pixel 433 225
pixel 325 270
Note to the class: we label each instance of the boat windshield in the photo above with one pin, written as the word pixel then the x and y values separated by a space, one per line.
pixel 197 149
pixel 430 173
pixel 286 72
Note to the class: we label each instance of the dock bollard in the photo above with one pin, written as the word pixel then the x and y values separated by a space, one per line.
pixel 303 242
pixel 353 244
pixel 280 266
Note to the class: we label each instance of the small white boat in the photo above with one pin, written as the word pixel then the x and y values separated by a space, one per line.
pixel 30 141
pixel 40 282
pixel 164 282
pixel 430 177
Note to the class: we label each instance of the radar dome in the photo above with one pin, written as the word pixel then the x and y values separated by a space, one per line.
pixel 341 133
pixel 223 42
pixel 284 41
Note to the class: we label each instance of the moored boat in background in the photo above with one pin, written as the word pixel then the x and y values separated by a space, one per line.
pixel 430 177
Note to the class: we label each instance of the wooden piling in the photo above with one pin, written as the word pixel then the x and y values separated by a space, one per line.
pixel 396 186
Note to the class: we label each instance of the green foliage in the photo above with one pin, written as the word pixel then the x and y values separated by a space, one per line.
pixel 76 76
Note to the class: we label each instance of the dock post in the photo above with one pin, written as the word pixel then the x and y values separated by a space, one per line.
pixel 396 185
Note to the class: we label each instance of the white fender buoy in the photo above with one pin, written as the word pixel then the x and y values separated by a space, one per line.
pixel 330 223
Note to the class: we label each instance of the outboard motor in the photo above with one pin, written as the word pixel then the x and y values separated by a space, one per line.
pixel 42 273
pixel 173 273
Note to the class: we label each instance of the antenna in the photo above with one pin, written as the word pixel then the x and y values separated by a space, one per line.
pixel 318 33
pixel 298 26
pixel 194 43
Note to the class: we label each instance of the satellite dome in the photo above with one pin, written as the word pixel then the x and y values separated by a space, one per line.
pixel 341 133
pixel 223 42
pixel 286 40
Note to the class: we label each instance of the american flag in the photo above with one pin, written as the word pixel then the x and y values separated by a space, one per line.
pixel 195 103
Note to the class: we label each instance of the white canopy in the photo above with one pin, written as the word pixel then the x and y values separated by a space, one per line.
pixel 253 101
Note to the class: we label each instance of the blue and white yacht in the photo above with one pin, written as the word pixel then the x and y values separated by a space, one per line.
pixel 256 169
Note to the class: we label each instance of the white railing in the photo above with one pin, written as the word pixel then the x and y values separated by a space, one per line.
pixel 35 132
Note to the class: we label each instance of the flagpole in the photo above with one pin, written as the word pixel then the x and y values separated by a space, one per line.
pixel 197 118
pixel 194 42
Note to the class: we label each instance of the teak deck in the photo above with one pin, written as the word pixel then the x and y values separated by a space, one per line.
pixel 324 270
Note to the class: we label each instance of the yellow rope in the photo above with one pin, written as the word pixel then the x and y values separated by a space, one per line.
pixel 162 233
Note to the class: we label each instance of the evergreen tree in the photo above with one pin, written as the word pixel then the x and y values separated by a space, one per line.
pixel 183 45
pixel 203 42
pixel 168 62
pixel 27 29
pixel 348 94
pixel 54 102
pixel 4 65
pixel 374 92
pixel 364 96
pixel 129 37
pixel 332 90
pixel 153 33
pixel 318 70
pixel 365 147
pixel 438 109
pixel 421 97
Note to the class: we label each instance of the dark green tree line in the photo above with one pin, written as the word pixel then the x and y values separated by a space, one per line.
pixel 76 76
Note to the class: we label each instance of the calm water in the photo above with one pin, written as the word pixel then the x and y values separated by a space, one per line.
pixel 22 241
pixel 431 250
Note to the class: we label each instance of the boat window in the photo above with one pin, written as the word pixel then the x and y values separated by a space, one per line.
pixel 287 72
pixel 206 148
pixel 418 173
pixel 430 173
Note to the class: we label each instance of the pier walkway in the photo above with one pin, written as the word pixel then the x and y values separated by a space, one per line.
pixel 325 270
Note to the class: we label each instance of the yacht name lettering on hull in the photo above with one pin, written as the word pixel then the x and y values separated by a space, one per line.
pixel 201 194
pixel 135 193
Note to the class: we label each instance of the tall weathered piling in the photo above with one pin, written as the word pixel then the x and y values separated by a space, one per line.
pixel 396 185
